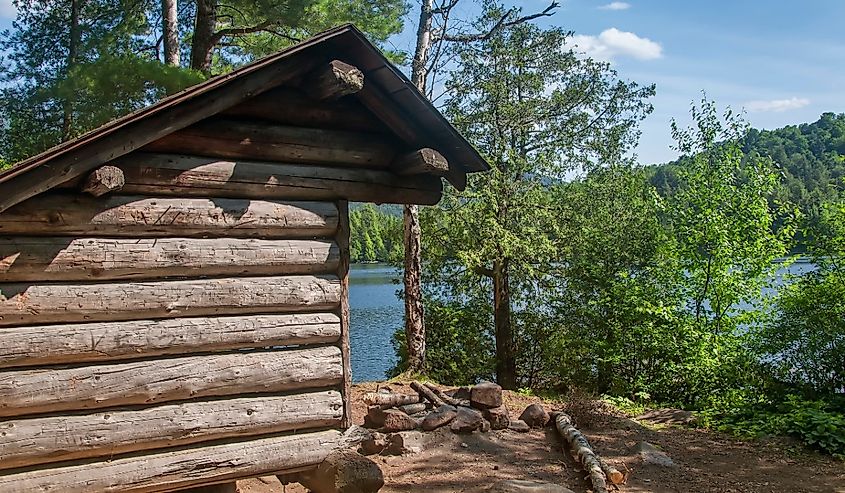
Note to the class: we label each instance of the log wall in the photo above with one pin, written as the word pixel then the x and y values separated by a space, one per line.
pixel 152 340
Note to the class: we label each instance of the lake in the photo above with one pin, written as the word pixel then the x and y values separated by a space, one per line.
pixel 374 315
pixel 375 312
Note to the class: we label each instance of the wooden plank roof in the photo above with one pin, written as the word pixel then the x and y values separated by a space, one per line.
pixel 387 93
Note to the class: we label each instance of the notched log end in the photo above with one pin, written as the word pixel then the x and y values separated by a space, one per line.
pixel 103 180
pixel 421 161
pixel 333 81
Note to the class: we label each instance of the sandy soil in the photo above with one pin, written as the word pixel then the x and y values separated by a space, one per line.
pixel 706 461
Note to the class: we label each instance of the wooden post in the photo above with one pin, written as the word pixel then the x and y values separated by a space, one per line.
pixel 333 80
pixel 342 241
pixel 421 161
pixel 103 180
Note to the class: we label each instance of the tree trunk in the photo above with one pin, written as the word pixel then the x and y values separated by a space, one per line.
pixel 72 59
pixel 170 32
pixel 505 357
pixel 414 317
pixel 202 46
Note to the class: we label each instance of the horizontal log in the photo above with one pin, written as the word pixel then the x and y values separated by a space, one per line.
pixel 27 442
pixel 103 180
pixel 66 214
pixel 168 470
pixel 31 391
pixel 333 80
pixel 80 259
pixel 421 161
pixel 61 303
pixel 293 107
pixel 227 138
pixel 167 174
pixel 106 341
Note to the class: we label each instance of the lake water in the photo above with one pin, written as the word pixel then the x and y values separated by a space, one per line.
pixel 376 312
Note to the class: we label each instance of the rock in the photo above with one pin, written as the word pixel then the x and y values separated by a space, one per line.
pixel 375 444
pixel 485 426
pixel 344 471
pixel 524 486
pixel 460 393
pixel 414 408
pixel 498 417
pixel 651 454
pixel 535 416
pixel 467 420
pixel 404 443
pixel 519 425
pixel 396 420
pixel 486 395
pixel 374 417
pixel 669 416
pixel 441 416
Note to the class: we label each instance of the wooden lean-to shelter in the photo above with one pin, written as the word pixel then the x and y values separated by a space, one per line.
pixel 173 285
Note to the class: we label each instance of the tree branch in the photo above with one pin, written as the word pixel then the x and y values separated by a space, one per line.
pixel 502 23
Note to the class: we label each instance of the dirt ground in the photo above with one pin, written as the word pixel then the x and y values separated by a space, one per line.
pixel 706 461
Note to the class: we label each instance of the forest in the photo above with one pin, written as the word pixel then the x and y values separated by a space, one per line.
pixel 622 283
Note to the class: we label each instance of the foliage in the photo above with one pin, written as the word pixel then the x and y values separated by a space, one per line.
pixel 375 236
pixel 809 157
pixel 459 339
pixel 819 424
pixel 535 112
pixel 804 345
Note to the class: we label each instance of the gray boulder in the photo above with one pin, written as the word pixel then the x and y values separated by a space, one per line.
pixel 344 471
pixel 535 416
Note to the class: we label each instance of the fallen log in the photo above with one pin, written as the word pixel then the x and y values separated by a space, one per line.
pixel 447 399
pixel 389 400
pixel 599 471
pixel 427 394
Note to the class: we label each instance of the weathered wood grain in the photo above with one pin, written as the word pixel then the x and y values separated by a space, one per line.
pixel 291 106
pixel 425 160
pixel 181 175
pixel 333 81
pixel 103 180
pixel 84 259
pixel 106 341
pixel 168 470
pixel 227 138
pixel 30 391
pixel 342 239
pixel 27 442
pixel 74 214
pixel 73 302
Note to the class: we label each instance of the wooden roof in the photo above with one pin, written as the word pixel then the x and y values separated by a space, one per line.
pixel 387 93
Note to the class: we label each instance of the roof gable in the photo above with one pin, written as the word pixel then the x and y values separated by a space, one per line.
pixel 391 101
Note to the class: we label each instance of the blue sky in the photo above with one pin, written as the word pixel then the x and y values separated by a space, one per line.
pixel 783 61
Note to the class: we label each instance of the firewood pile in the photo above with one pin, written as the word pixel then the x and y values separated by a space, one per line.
pixel 395 421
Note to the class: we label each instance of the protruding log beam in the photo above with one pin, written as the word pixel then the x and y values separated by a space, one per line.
pixel 77 302
pixel 421 161
pixel 103 180
pixel 169 469
pixel 224 138
pixel 169 174
pixel 142 217
pixel 50 390
pixel 39 440
pixel 72 343
pixel 50 259
pixel 333 80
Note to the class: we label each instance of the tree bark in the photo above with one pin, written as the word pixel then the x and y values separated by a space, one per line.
pixel 72 58
pixel 170 32
pixel 202 45
pixel 414 315
pixel 505 354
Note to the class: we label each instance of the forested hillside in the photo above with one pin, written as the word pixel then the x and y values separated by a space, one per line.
pixel 809 156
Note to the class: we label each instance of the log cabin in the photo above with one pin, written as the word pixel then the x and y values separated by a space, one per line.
pixel 173 285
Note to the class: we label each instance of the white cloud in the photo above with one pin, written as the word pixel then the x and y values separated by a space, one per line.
pixel 616 6
pixel 7 10
pixel 612 43
pixel 776 105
